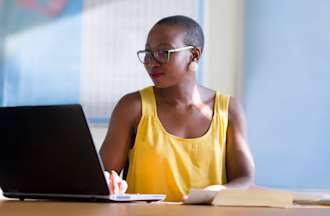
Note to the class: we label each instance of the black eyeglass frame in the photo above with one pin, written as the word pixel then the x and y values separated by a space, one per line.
pixel 152 54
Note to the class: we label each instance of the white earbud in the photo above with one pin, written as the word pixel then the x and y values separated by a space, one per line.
pixel 193 66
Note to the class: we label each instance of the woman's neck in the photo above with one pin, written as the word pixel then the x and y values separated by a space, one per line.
pixel 184 94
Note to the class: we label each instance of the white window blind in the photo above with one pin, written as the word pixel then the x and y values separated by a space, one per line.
pixel 112 32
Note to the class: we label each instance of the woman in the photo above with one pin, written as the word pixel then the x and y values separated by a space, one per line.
pixel 177 134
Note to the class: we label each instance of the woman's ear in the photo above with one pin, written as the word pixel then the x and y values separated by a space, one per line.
pixel 196 54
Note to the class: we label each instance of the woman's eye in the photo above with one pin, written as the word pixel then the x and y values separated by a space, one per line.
pixel 161 54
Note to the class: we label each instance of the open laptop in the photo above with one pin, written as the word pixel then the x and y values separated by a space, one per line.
pixel 47 152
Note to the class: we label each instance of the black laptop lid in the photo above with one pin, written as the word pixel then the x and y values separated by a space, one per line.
pixel 48 150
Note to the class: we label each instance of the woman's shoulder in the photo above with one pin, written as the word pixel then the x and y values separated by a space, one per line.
pixel 132 98
pixel 213 92
pixel 235 110
pixel 228 102
pixel 232 103
pixel 130 101
pixel 129 107
pixel 207 94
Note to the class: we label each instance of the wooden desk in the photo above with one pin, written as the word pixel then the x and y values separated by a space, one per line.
pixel 36 208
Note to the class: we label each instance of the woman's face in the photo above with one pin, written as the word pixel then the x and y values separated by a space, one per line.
pixel 162 38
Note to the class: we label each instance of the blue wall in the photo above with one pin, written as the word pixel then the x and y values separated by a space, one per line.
pixel 2 37
pixel 41 54
pixel 286 91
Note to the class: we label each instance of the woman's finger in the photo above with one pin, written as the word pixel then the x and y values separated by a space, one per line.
pixel 114 180
pixel 107 177
pixel 122 186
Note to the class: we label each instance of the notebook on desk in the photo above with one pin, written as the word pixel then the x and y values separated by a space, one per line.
pixel 47 152
pixel 258 196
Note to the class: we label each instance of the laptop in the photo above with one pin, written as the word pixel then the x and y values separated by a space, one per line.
pixel 47 152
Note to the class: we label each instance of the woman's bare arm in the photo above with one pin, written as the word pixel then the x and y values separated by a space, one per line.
pixel 240 164
pixel 239 161
pixel 121 132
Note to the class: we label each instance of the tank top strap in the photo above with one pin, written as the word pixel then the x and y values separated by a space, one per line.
pixel 148 101
pixel 221 104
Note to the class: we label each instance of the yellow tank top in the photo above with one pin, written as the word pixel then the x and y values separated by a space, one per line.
pixel 161 163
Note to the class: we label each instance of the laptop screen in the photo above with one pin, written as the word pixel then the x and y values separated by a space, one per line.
pixel 48 150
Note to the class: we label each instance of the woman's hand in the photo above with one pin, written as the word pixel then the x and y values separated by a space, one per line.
pixel 116 184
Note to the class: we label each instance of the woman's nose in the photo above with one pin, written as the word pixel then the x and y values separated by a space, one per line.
pixel 152 63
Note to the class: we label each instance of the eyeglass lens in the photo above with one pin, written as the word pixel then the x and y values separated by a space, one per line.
pixel 159 56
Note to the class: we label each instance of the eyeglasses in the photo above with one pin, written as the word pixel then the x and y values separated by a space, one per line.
pixel 160 56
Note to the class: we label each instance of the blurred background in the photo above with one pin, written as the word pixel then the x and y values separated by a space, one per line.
pixel 272 55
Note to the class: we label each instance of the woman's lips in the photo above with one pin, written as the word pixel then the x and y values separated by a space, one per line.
pixel 155 75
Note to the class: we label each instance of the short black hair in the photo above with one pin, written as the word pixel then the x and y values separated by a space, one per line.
pixel 194 36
